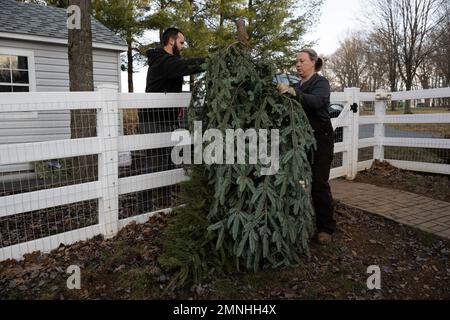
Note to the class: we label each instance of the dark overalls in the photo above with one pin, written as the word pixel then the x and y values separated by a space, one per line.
pixel 314 95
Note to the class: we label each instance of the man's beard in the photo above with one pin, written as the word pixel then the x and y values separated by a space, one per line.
pixel 176 52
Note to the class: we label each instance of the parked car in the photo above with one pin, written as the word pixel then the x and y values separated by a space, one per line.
pixel 335 110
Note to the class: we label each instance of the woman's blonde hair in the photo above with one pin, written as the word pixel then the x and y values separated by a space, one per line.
pixel 314 57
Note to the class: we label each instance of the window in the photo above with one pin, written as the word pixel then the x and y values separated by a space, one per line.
pixel 16 71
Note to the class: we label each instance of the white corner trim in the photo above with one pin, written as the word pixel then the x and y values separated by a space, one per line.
pixel 28 37
pixel 115 47
pixel 31 66
pixel 119 71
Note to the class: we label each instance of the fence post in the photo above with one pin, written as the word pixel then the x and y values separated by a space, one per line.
pixel 380 112
pixel 108 167
pixel 352 95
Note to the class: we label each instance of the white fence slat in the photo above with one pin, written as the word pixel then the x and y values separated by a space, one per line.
pixel 368 142
pixel 341 147
pixel 142 218
pixel 154 100
pixel 421 94
pixel 151 141
pixel 37 151
pixel 45 245
pixel 343 120
pixel 417 143
pixel 364 165
pixel 367 96
pixel 418 118
pixel 37 200
pixel 151 181
pixel 421 166
pixel 338 172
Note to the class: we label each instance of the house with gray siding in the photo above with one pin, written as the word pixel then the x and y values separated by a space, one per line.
pixel 34 58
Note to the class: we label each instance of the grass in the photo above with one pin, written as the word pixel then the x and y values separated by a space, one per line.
pixel 437 130
pixel 415 154
pixel 400 111
pixel 419 111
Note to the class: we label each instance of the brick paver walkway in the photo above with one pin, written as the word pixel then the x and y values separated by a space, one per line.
pixel 408 208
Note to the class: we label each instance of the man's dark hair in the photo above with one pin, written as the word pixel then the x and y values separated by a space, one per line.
pixel 170 33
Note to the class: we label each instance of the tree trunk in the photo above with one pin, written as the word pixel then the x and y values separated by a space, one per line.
pixel 408 85
pixel 130 66
pixel 221 16
pixel 250 18
pixel 242 35
pixel 424 81
pixel 393 79
pixel 83 123
pixel 80 51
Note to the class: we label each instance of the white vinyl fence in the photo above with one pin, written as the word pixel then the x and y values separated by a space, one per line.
pixel 395 138
pixel 49 207
pixel 20 208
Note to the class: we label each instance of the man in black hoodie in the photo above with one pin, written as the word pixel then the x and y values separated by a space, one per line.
pixel 166 69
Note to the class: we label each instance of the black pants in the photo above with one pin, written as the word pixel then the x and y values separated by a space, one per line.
pixel 320 161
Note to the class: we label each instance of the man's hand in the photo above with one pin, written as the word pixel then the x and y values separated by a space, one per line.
pixel 285 88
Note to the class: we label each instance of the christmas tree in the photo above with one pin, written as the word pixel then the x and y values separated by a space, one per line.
pixel 234 215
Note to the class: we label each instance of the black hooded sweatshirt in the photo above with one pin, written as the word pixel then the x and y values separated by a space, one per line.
pixel 166 71
pixel 314 95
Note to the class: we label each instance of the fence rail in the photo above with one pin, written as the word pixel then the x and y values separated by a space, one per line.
pixel 351 123
pixel 117 190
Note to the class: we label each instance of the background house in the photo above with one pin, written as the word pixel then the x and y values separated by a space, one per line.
pixel 33 57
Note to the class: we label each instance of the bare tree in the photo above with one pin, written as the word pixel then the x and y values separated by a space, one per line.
pixel 347 63
pixel 406 26
pixel 375 73
pixel 441 56
pixel 386 37
pixel 358 62
pixel 81 78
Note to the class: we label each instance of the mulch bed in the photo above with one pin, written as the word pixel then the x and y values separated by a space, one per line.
pixel 414 265
pixel 382 174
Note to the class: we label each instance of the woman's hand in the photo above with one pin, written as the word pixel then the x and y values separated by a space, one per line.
pixel 285 88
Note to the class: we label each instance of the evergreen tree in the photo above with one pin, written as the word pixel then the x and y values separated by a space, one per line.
pixel 125 18
pixel 250 219
pixel 276 27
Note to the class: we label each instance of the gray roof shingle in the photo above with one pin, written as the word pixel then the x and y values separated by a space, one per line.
pixel 47 21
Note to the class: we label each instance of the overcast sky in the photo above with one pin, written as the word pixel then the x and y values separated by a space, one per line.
pixel 338 18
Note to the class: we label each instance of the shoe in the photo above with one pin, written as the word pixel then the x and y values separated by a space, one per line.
pixel 323 238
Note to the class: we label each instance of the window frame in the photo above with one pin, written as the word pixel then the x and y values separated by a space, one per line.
pixel 31 64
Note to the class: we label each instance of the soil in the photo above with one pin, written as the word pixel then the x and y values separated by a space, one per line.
pixel 382 174
pixel 413 264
